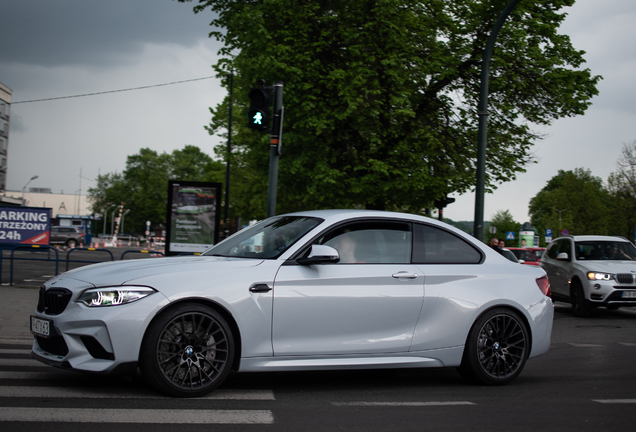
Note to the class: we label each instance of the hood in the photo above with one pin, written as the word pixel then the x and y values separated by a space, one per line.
pixel 126 272
pixel 610 266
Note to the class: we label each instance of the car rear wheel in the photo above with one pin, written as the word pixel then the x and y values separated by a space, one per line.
pixel 579 306
pixel 188 351
pixel 496 349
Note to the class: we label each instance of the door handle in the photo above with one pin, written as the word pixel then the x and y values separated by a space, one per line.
pixel 260 288
pixel 404 275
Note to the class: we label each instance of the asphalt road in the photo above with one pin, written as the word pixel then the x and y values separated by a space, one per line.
pixel 586 382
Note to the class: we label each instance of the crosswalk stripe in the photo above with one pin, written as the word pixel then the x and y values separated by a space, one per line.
pixel 114 393
pixel 583 345
pixel 417 404
pixel 15 351
pixel 615 401
pixel 37 375
pixel 20 362
pixel 89 415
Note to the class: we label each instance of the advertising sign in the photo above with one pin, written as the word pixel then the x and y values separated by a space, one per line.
pixel 526 238
pixel 192 223
pixel 25 225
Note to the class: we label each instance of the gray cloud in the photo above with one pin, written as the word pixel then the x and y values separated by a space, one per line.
pixel 94 33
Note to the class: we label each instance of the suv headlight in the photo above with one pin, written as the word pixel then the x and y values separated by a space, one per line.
pixel 599 276
pixel 113 296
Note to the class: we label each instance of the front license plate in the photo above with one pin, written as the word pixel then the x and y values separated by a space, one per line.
pixel 40 327
pixel 629 294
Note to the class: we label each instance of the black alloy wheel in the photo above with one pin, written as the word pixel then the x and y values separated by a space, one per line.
pixel 497 348
pixel 71 243
pixel 188 351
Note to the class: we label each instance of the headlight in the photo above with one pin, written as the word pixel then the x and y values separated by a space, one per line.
pixel 113 296
pixel 599 276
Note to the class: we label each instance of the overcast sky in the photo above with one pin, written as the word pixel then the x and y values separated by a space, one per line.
pixel 50 49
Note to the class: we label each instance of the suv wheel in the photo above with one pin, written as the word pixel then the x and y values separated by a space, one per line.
pixel 71 243
pixel 579 306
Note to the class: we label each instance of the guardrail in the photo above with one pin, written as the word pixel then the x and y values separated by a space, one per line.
pixel 57 258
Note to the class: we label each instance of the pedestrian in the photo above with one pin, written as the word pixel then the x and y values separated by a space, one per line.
pixel 494 243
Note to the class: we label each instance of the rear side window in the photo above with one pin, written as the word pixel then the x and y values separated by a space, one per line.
pixel 435 246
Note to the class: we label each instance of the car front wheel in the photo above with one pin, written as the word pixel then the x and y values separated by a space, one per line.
pixel 71 243
pixel 579 306
pixel 188 351
pixel 496 349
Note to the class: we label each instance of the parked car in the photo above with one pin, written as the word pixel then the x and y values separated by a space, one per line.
pixel 330 289
pixel 591 271
pixel 528 256
pixel 67 235
pixel 507 253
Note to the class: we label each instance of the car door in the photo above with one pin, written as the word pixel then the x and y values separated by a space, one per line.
pixel 558 270
pixel 369 302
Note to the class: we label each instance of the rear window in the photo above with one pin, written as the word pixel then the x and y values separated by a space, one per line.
pixel 435 246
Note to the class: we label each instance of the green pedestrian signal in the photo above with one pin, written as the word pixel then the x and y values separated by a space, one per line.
pixel 258 115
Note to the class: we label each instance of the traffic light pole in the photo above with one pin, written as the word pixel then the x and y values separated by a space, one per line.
pixel 276 140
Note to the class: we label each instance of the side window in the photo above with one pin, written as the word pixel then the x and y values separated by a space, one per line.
pixel 371 242
pixel 553 249
pixel 435 246
pixel 565 246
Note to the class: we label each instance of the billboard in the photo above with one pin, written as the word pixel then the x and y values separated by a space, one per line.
pixel 25 225
pixel 193 217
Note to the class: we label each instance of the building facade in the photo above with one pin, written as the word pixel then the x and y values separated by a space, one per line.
pixel 5 113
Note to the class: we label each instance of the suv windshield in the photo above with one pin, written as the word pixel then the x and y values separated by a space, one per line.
pixel 267 239
pixel 605 250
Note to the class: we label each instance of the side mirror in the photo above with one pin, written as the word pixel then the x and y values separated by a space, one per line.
pixel 563 256
pixel 320 254
pixel 522 261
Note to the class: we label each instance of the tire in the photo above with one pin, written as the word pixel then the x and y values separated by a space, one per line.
pixel 71 243
pixel 579 306
pixel 497 348
pixel 187 351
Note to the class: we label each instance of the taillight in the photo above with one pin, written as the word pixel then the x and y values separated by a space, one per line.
pixel 544 285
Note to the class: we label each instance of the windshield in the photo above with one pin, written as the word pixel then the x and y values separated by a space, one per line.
pixel 605 250
pixel 267 239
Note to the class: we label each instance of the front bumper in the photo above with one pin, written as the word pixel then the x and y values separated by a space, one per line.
pixel 98 340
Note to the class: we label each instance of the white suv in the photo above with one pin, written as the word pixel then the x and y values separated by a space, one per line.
pixel 591 271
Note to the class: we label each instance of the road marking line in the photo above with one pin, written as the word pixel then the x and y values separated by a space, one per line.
pixel 115 393
pixel 91 415
pixel 627 343
pixel 418 404
pixel 15 351
pixel 615 401
pixel 20 362
pixel 580 345
pixel 37 375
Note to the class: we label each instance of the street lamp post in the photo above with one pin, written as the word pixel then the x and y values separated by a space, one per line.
pixel 106 217
pixel 112 220
pixel 560 211
pixel 122 219
pixel 24 188
pixel 480 188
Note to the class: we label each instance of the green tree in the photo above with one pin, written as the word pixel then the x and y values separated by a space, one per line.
pixel 143 186
pixel 622 187
pixel 504 222
pixel 572 200
pixel 380 95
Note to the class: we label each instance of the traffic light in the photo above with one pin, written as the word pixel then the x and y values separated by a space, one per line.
pixel 259 113
pixel 440 204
